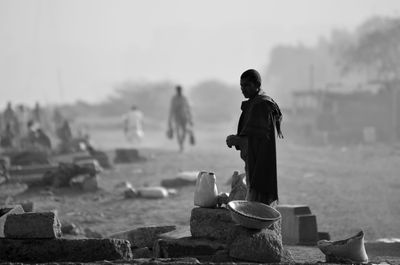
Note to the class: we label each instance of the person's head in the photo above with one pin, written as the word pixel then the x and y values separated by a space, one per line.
pixel 250 83
pixel 9 105
pixel 134 107
pixel 178 90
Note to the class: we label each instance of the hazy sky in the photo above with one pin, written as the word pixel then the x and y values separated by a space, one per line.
pixel 64 50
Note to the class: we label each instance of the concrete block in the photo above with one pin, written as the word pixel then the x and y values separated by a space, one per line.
pixel 32 225
pixel 5 211
pixel 308 233
pixel 299 226
pixel 63 250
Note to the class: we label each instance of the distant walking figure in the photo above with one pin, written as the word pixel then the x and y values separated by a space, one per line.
pixel 180 119
pixel 133 129
pixel 255 139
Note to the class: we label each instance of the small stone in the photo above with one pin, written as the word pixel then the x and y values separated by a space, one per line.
pixel 32 225
pixel 130 193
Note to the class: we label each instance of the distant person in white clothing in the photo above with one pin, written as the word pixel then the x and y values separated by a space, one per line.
pixel 133 128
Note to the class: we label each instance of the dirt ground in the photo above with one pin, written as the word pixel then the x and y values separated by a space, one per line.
pixel 347 188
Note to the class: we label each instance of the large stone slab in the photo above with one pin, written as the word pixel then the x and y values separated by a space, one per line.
pixel 143 236
pixel 256 245
pixel 5 211
pixel 299 226
pixel 211 223
pixel 32 225
pixel 63 250
pixel 186 247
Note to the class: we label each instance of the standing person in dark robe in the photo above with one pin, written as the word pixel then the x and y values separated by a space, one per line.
pixel 180 120
pixel 255 139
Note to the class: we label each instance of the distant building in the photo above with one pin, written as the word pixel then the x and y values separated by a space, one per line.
pixel 353 117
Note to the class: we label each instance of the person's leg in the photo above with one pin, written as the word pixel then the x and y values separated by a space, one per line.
pixel 179 136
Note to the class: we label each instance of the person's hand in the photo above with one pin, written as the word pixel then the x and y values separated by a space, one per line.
pixel 231 140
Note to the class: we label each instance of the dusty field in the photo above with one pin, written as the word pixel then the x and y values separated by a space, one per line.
pixel 347 188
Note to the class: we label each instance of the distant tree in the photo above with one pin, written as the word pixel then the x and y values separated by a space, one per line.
pixel 214 101
pixel 374 50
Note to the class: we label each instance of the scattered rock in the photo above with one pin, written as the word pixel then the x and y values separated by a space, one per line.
pixel 256 245
pixel 63 250
pixel 130 193
pixel 211 223
pixel 152 192
pixel 238 187
pixel 5 211
pixel 70 229
pixel 32 225
pixel 143 236
pixel 186 247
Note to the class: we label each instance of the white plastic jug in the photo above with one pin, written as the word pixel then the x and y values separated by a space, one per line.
pixel 206 192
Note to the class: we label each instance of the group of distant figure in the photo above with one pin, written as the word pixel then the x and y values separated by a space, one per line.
pixel 23 128
pixel 180 122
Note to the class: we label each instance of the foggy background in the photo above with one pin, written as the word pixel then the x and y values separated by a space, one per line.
pixel 332 66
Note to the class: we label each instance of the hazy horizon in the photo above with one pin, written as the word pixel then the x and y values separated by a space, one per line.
pixel 56 51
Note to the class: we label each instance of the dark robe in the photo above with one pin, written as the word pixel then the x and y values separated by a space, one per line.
pixel 260 115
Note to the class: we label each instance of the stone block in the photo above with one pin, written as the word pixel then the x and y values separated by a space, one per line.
pixel 143 236
pixel 264 246
pixel 299 226
pixel 212 223
pixel 32 225
pixel 186 247
pixel 63 250
pixel 5 211
pixel 308 233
